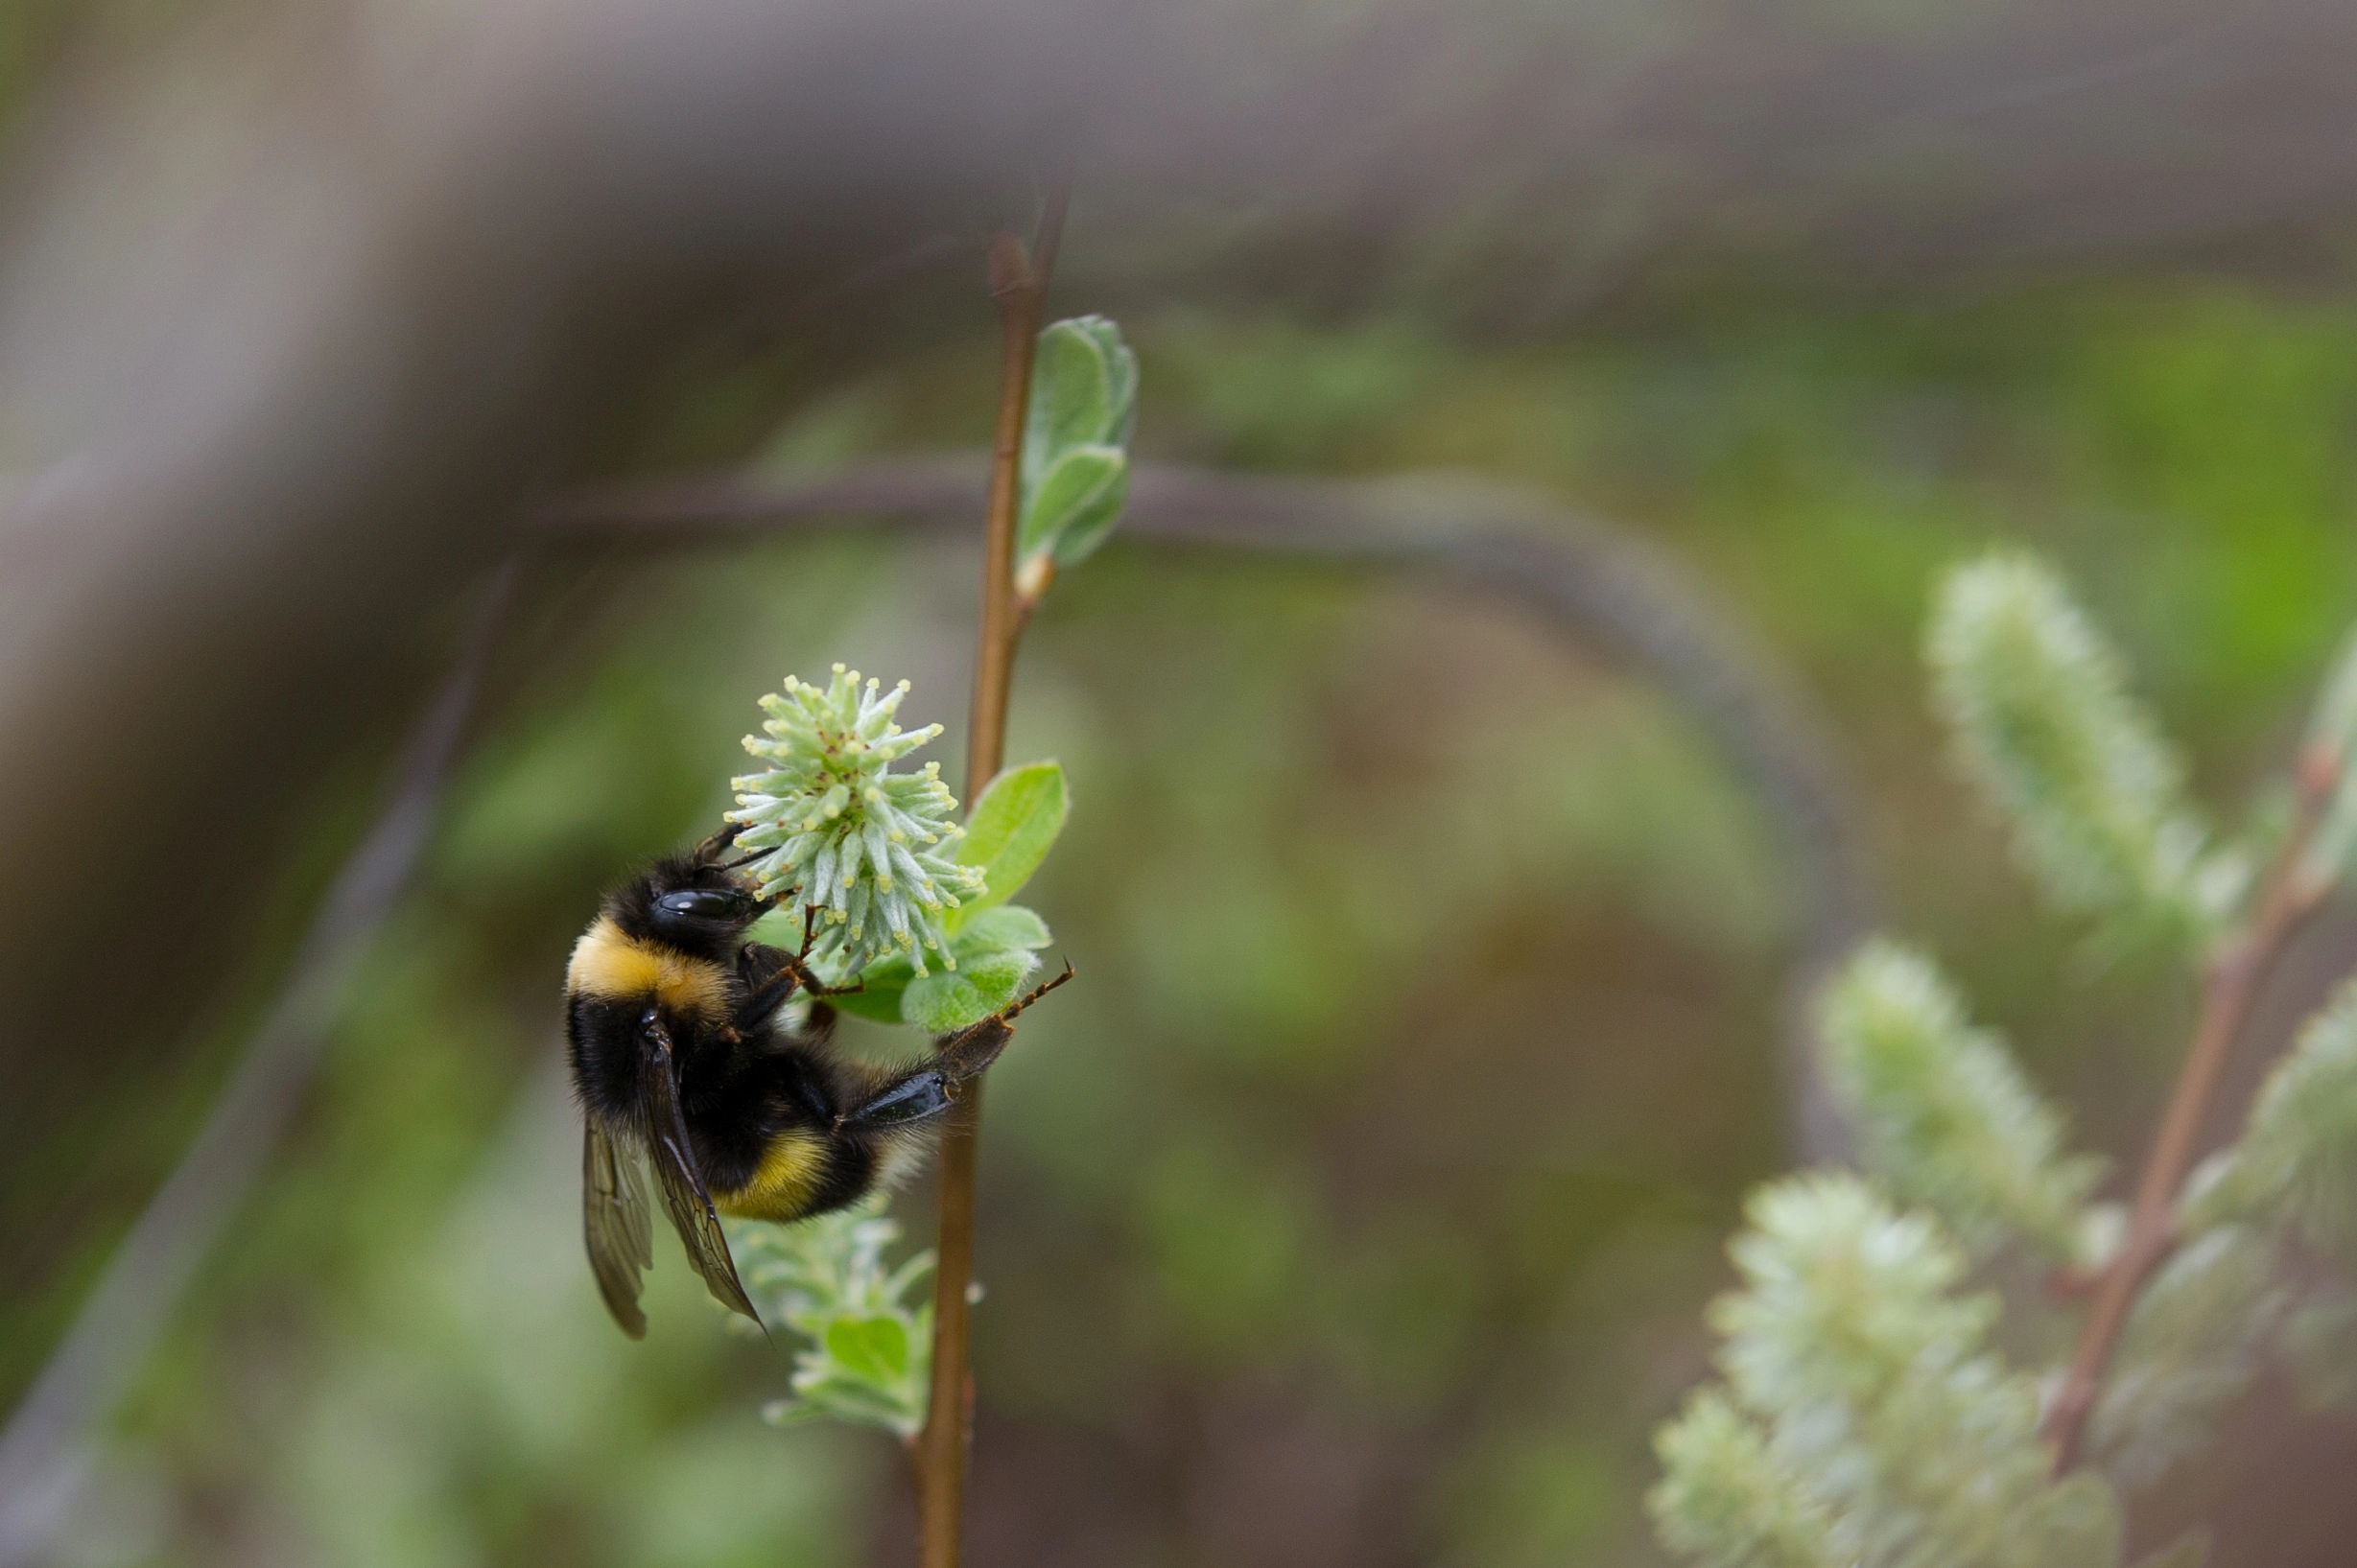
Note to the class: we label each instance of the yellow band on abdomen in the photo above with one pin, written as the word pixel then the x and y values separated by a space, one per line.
pixel 784 1184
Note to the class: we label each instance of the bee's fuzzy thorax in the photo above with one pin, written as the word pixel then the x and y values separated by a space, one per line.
pixel 610 964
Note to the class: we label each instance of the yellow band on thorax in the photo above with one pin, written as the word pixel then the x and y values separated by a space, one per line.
pixel 614 967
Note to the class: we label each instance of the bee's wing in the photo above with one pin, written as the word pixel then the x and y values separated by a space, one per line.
pixel 682 1186
pixel 614 1223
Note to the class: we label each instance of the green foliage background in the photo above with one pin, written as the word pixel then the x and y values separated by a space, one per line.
pixel 1360 1203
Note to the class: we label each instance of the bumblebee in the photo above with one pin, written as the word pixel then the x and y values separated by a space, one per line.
pixel 678 1056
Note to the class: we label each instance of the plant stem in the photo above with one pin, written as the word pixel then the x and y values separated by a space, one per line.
pixel 2228 987
pixel 1018 284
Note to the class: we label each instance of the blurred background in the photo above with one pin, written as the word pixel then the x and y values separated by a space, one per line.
pixel 1360 1203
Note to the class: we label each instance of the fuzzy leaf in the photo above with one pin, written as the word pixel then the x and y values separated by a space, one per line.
pixel 992 939
pixel 2332 726
pixel 1009 832
pixel 869 1349
pixel 978 987
pixel 866 1330
pixel 882 986
pixel 791 1413
pixel 824 1386
pixel 2319 1342
pixel 2191 1348
pixel 2076 1524
pixel 2042 722
pixel 1008 926
pixel 1076 503
pixel 2296 1163
pixel 1073 387
pixel 1074 470
pixel 2332 731
pixel 1943 1111
pixel 1870 1375
pixel 1726 1499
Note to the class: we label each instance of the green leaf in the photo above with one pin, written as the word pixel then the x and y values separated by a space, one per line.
pixel 1009 833
pixel 998 935
pixel 2318 1342
pixel 1090 524
pixel 2332 731
pixel 828 1279
pixel 2076 1524
pixel 1073 390
pixel 948 1000
pixel 1120 378
pixel 1727 1498
pixel 1945 1112
pixel 2038 705
pixel 2296 1162
pixel 879 995
pixel 1010 926
pixel 780 927
pixel 791 1413
pixel 2332 727
pixel 2191 1348
pixel 1870 1375
pixel 871 1350
pixel 861 1402
pixel 1075 504
pixel 1075 470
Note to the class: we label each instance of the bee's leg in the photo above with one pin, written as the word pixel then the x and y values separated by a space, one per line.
pixel 810 939
pixel 931 1089
pixel 968 1051
pixel 771 975
pixel 718 844
pixel 760 968
pixel 912 1096
pixel 767 992
pixel 818 1028
pixel 805 1081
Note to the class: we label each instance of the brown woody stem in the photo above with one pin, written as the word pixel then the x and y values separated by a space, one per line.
pixel 2229 986
pixel 1018 284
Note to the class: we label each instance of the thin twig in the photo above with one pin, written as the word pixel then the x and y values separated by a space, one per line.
pixel 2229 986
pixel 45 1452
pixel 1585 579
pixel 1020 286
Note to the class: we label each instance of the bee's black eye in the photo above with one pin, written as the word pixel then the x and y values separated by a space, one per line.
pixel 702 904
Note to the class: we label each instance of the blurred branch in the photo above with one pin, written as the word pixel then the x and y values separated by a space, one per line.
pixel 44 1450
pixel 1579 575
pixel 2229 986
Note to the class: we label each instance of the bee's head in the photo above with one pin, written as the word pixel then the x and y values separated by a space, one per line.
pixel 694 906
